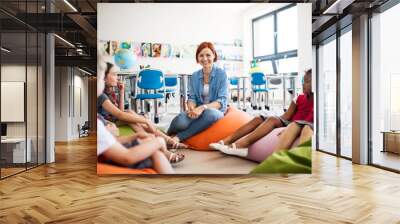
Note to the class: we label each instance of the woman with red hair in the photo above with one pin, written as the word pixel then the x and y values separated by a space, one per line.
pixel 208 94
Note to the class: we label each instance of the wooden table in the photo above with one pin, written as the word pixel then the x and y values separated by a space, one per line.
pixel 391 141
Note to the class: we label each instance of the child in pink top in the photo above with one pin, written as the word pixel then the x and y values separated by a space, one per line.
pixel 299 115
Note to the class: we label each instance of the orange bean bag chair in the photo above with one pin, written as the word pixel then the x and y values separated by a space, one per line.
pixel 103 168
pixel 224 127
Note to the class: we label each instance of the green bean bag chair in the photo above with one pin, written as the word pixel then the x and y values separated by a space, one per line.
pixel 125 130
pixel 296 160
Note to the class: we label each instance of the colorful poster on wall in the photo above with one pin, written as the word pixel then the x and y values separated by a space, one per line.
pixel 166 50
pixel 189 51
pixel 156 50
pixel 137 49
pixel 114 47
pixel 104 47
pixel 176 51
pixel 146 49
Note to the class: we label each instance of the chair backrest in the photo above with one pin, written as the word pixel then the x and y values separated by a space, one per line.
pixel 258 78
pixel 234 81
pixel 275 81
pixel 86 125
pixel 150 79
pixel 171 81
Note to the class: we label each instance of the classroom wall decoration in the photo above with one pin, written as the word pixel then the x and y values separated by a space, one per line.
pixel 229 54
pixel 226 51
pixel 156 50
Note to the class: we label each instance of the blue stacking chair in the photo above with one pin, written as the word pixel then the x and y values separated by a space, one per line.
pixel 234 82
pixel 151 80
pixel 259 86
pixel 171 84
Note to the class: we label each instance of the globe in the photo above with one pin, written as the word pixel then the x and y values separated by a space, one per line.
pixel 125 59
pixel 125 45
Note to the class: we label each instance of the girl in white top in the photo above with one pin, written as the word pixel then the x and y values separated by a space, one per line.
pixel 111 149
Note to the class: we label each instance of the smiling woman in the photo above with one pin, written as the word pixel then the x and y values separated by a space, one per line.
pixel 208 92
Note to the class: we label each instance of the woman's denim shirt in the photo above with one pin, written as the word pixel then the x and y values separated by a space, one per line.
pixel 218 82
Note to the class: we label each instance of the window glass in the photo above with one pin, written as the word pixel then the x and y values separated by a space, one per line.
pixel 287 29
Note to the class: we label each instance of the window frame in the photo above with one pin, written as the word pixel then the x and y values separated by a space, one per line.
pixel 276 55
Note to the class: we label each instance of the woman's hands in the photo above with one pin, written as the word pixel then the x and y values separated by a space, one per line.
pixel 121 86
pixel 196 112
pixel 150 126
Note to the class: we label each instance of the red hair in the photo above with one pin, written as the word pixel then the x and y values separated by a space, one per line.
pixel 206 45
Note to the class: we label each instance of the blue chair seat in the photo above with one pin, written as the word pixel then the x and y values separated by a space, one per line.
pixel 167 91
pixel 261 90
pixel 149 96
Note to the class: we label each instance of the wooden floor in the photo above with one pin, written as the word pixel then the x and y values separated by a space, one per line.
pixel 70 191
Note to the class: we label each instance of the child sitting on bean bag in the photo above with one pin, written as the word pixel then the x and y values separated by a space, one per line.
pixel 300 111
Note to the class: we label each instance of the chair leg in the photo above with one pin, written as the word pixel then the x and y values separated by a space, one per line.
pixel 253 101
pixel 156 118
pixel 166 103
pixel 273 99
pixel 266 100
pixel 142 107
pixel 259 101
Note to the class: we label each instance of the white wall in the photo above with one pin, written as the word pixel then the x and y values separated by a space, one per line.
pixel 304 32
pixel 68 83
pixel 305 36
pixel 178 24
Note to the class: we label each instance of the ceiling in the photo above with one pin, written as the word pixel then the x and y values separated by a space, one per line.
pixel 78 24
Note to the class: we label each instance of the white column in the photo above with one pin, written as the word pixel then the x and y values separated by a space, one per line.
pixel 360 90
pixel 50 99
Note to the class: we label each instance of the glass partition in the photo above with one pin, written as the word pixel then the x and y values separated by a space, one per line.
pixel 13 92
pixel 346 94
pixel 385 89
pixel 327 96
pixel 22 87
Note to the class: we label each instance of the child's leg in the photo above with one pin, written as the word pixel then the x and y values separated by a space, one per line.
pixel 161 164
pixel 145 149
pixel 306 134
pixel 163 148
pixel 128 156
pixel 262 130
pixel 243 130
pixel 288 136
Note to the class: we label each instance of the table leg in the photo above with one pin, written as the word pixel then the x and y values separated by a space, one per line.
pixel 244 93
pixel 284 93
pixel 238 94
pixel 183 84
pixel 133 81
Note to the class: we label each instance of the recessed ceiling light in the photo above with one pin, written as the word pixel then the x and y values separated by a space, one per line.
pixel 5 49
pixel 64 40
pixel 84 71
pixel 70 5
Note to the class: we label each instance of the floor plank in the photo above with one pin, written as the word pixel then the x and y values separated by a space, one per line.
pixel 69 191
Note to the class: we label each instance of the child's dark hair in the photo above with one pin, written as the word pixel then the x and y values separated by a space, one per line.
pixel 108 68
pixel 308 71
